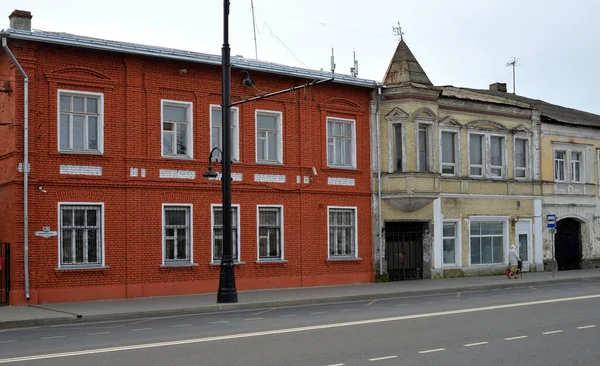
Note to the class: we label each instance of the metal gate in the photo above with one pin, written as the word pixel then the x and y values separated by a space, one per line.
pixel 4 272
pixel 404 250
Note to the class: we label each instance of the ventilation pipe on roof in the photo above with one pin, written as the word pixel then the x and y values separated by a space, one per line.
pixel 25 163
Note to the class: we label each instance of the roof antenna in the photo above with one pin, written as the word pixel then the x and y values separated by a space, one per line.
pixel 254 28
pixel 354 70
pixel 332 62
pixel 398 32
pixel 513 63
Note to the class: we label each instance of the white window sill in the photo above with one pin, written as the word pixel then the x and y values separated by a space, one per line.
pixel 271 261
pixel 269 162
pixel 177 157
pixel 347 167
pixel 344 259
pixel 178 265
pixel 81 267
pixel 81 152
pixel 218 263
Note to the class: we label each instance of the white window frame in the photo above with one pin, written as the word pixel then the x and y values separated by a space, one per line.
pixel 457 243
pixel 456 164
pixel 486 146
pixel 503 153
pixel 342 257
pixel 100 132
pixel 527 168
pixel 101 233
pixel 429 148
pixel 481 166
pixel 281 234
pixel 353 142
pixel 529 231
pixel 572 167
pixel 393 143
pixel 505 221
pixel 564 164
pixel 279 116
pixel 212 233
pixel 235 137
pixel 190 223
pixel 190 133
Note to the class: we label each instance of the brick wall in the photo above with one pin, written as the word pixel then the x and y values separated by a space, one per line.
pixel 132 89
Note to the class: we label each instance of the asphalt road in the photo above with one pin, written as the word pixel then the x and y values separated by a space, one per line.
pixel 544 325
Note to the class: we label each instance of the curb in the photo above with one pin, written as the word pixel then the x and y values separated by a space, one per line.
pixel 82 318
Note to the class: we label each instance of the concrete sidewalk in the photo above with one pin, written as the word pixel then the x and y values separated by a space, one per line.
pixel 61 313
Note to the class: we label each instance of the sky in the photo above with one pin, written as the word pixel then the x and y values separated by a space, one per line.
pixel 465 43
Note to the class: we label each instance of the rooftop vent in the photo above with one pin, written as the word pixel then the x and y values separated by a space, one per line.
pixel 20 19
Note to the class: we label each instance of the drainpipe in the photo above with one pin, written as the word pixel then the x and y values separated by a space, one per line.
pixel 379 182
pixel 25 165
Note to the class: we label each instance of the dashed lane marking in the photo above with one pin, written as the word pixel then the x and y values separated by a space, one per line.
pixel 553 332
pixel 337 364
pixel 264 311
pixel 514 338
pixel 351 309
pixel 219 322
pixel 252 319
pixel 181 325
pixel 296 330
pixel 98 333
pixel 9 341
pixel 586 327
pixel 476 344
pixel 318 312
pixel 54 337
pixel 432 350
pixel 140 329
pixel 287 316
pixel 382 358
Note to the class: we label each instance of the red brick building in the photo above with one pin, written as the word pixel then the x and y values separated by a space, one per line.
pixel 119 139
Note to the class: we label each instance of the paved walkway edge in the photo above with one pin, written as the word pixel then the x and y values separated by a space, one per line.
pixel 82 318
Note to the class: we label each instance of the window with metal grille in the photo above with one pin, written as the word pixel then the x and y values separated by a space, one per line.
pixel 177 234
pixel 342 232
pixel 176 129
pixel 340 143
pixel 80 122
pixel 80 235
pixel 269 233
pixel 218 233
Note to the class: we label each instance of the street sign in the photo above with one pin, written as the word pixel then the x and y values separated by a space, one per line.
pixel 551 221
pixel 46 233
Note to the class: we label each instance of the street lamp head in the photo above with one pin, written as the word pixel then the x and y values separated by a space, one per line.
pixel 210 173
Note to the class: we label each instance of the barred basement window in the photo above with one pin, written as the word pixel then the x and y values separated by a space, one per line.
pixel 80 235
pixel 177 233
pixel 218 233
pixel 269 233
pixel 342 232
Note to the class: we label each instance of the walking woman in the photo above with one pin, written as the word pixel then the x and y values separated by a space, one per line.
pixel 513 261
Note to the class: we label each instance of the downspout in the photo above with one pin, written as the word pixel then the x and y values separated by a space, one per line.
pixel 379 182
pixel 25 165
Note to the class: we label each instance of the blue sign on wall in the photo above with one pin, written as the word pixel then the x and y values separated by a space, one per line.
pixel 551 221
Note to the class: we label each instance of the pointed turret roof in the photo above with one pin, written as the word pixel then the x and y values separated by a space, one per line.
pixel 404 68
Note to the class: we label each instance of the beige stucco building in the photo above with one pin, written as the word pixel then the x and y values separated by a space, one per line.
pixel 461 174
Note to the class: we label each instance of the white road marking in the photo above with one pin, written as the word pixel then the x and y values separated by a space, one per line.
pixel 382 358
pixel 139 329
pixel 433 350
pixel 287 316
pixel 452 300
pixel 476 344
pixel 477 297
pixel 98 333
pixel 586 327
pixel 518 293
pixel 54 337
pixel 348 310
pixel 295 330
pixel 219 322
pixel 10 341
pixel 318 312
pixel 252 319
pixel 337 364
pixel 513 338
pixel 553 332
pixel 429 302
pixel 181 325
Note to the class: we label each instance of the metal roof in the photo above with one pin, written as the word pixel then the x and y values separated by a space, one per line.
pixel 68 39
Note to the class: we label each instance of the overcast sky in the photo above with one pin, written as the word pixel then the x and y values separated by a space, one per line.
pixel 460 42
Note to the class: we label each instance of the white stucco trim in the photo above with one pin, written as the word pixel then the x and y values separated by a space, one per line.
pixel 437 233
pixel 538 243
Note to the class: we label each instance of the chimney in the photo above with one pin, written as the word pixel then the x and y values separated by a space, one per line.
pixel 20 19
pixel 500 87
